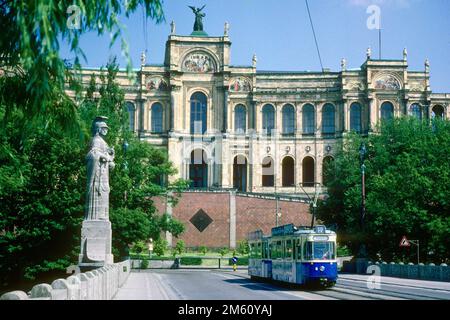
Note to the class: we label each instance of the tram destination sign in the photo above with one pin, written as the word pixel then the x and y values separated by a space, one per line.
pixel 283 230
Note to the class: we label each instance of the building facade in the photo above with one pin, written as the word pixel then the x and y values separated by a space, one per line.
pixel 260 131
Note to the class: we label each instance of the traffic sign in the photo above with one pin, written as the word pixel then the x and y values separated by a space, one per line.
pixel 404 242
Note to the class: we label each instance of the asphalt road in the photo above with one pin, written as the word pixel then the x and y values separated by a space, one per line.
pixel 191 284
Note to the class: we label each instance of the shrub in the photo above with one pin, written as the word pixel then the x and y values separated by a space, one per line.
pixel 243 247
pixel 179 247
pixel 203 250
pixel 144 264
pixel 343 251
pixel 190 261
pixel 139 247
pixel 223 251
pixel 160 247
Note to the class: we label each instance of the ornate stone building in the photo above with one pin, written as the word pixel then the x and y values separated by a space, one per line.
pixel 260 131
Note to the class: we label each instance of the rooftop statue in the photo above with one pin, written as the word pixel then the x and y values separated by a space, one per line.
pixel 198 25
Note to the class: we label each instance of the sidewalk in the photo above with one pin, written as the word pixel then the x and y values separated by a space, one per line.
pixel 436 285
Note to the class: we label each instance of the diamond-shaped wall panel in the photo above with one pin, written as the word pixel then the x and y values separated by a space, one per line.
pixel 201 220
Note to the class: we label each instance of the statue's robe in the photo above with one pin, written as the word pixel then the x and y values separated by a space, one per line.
pixel 98 164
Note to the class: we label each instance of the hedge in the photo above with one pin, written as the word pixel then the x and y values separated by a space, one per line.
pixel 190 261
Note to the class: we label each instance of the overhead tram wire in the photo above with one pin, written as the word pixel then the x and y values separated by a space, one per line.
pixel 314 34
pixel 144 27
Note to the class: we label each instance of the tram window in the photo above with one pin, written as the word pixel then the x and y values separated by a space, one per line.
pixel 299 250
pixel 258 250
pixel 320 250
pixel 308 250
pixel 252 250
pixel 276 250
pixel 324 250
pixel 288 249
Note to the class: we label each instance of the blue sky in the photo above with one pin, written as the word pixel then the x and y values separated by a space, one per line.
pixel 278 31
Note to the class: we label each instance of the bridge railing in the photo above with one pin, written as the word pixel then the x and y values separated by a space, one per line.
pixel 98 284
pixel 188 262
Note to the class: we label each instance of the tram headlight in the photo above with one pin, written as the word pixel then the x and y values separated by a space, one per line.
pixel 317 269
pixel 322 268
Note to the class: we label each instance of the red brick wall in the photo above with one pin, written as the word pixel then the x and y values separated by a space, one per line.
pixel 255 213
pixel 251 214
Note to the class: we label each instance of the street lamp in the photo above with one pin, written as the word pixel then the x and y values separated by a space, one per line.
pixel 362 155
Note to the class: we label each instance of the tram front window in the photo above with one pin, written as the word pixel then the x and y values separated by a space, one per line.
pixel 321 250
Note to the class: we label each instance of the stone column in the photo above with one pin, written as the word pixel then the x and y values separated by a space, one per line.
pixel 344 120
pixel 232 219
pixel 225 109
pixel 172 110
pixel 278 119
pixel 373 114
pixel 176 110
pixel 298 120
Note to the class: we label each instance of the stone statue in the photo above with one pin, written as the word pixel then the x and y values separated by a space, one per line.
pixel 172 27
pixel 226 28
pixel 343 64
pixel 100 160
pixel 405 54
pixel 198 25
pixel 427 65
pixel 254 60
pixel 369 53
pixel 143 58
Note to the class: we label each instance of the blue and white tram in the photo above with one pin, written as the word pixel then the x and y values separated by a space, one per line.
pixel 296 255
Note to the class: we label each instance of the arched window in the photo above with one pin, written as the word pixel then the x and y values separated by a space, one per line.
pixel 268 172
pixel 240 119
pixel 387 111
pixel 288 171
pixel 198 113
pixel 157 118
pixel 327 161
pixel 288 119
pixel 198 169
pixel 240 173
pixel 415 110
pixel 308 119
pixel 308 172
pixel 131 112
pixel 328 126
pixel 268 118
pixel 355 117
pixel 437 112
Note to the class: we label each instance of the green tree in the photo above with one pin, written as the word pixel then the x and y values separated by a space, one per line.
pixel 243 247
pixel 407 179
pixel 31 36
pixel 223 251
pixel 160 247
pixel 180 247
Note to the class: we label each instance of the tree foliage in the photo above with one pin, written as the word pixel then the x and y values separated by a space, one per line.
pixel 407 179
pixel 33 30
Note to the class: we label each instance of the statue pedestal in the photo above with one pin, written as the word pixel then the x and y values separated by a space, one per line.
pixel 96 238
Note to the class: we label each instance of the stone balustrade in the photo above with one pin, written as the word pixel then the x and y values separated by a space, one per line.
pixel 98 284
pixel 419 271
